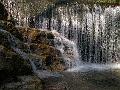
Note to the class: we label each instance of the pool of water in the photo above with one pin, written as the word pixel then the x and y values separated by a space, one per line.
pixel 98 67
pixel 89 80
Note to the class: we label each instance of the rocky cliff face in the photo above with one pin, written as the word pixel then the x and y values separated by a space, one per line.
pixel 36 43
pixel 18 46
pixel 40 44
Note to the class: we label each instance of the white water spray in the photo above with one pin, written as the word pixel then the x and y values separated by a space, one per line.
pixel 91 32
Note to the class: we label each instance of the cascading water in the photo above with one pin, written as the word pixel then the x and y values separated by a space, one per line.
pixel 68 49
pixel 84 34
pixel 14 9
pixel 93 29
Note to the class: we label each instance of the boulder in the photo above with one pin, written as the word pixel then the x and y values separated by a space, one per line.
pixel 41 44
pixel 51 57
pixel 11 64
pixel 32 41
pixel 37 45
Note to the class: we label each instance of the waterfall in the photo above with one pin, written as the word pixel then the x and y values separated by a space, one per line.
pixel 68 49
pixel 17 11
pixel 92 31
pixel 85 34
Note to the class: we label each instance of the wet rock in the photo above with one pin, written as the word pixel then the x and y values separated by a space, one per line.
pixel 39 44
pixel 29 82
pixel 30 40
pixel 52 61
pixel 31 22
pixel 41 50
pixel 11 64
pixel 42 37
pixel 8 40
pixel 33 35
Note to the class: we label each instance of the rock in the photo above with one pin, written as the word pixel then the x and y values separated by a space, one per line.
pixel 37 45
pixel 30 40
pixel 38 36
pixel 11 64
pixel 3 24
pixel 48 74
pixel 40 43
pixel 8 40
pixel 41 49
pixel 33 35
pixel 20 45
pixel 29 82
pixel 53 61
